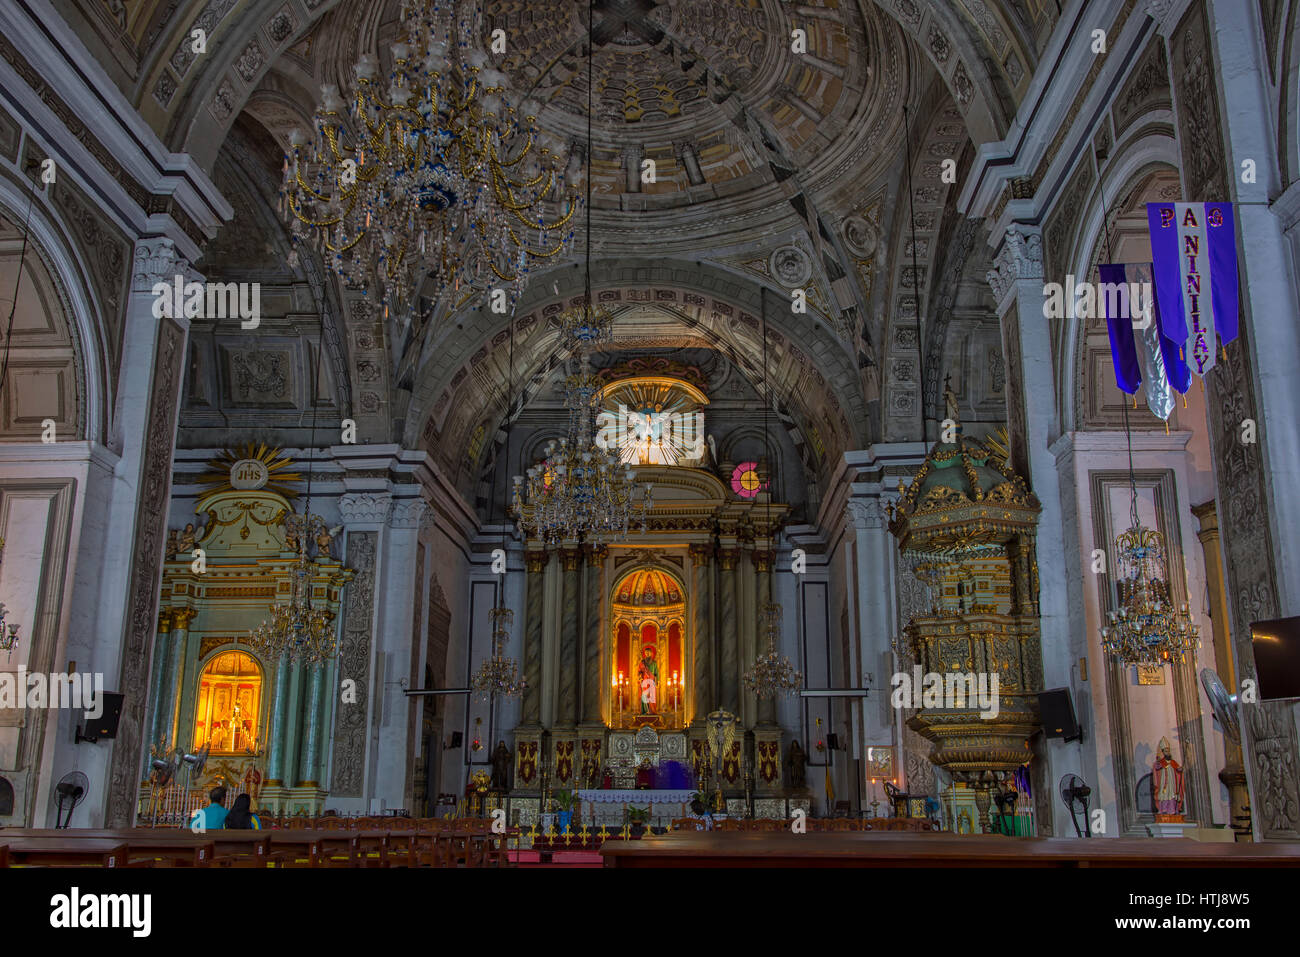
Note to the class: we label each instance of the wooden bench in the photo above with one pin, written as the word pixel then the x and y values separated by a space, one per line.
pixel 72 852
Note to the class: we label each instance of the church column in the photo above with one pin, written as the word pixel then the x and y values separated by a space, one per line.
pixel 156 692
pixel 704 695
pixel 280 713
pixel 591 734
pixel 307 768
pixel 120 571
pixel 566 705
pixel 1218 39
pixel 728 667
pixel 874 551
pixel 746 624
pixel 762 561
pixel 172 675
pixel 1233 774
pixel 1017 284
pixel 535 562
pixel 594 633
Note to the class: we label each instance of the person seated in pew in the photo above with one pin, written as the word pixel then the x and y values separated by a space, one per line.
pixel 212 817
pixel 241 816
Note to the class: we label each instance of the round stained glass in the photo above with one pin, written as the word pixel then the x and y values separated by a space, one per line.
pixel 744 480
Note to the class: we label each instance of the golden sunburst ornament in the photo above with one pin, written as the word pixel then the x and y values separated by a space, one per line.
pixel 255 467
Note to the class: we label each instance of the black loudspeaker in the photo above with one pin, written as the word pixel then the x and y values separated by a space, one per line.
pixel 105 726
pixel 833 741
pixel 1056 711
pixel 457 738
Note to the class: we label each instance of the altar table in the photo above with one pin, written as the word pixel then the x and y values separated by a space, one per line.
pixel 606 806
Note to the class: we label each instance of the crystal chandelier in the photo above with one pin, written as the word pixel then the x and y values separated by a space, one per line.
pixel 8 633
pixel 582 490
pixel 772 673
pixel 498 674
pixel 296 628
pixel 442 173
pixel 1146 626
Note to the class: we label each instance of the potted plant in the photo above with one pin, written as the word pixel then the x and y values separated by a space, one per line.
pixel 637 818
pixel 564 802
pixel 697 804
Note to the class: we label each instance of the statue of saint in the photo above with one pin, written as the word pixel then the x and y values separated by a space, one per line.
pixel 950 401
pixel 1167 783
pixel 501 767
pixel 185 542
pixel 648 672
pixel 797 762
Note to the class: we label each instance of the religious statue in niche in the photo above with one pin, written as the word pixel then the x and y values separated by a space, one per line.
pixel 797 763
pixel 1167 784
pixel 501 767
pixel 648 672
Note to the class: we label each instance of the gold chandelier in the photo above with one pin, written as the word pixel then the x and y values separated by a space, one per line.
pixel 498 674
pixel 297 629
pixel 582 490
pixel 772 673
pixel 1146 627
pixel 443 174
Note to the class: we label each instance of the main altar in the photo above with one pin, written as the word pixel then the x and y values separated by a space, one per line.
pixel 627 645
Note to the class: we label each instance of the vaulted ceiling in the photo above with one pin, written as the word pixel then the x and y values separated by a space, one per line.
pixel 775 170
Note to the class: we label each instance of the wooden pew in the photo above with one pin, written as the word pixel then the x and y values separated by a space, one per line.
pixel 168 847
pixel 72 852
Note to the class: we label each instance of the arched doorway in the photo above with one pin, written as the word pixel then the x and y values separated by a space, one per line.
pixel 649 661
pixel 227 717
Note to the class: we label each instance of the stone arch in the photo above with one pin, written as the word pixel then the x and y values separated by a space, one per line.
pixel 78 338
pixel 1134 162
pixel 711 309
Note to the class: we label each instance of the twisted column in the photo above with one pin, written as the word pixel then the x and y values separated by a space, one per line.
pixel 566 704
pixel 729 675
pixel 762 559
pixel 591 683
pixel 704 691
pixel 535 563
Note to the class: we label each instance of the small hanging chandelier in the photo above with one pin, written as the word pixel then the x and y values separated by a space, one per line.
pixel 1146 626
pixel 8 633
pixel 296 628
pixel 582 490
pixel 772 674
pixel 498 674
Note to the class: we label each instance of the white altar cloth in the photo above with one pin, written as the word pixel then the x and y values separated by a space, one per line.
pixel 628 796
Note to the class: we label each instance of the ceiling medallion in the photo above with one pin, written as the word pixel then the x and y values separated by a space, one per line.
pixel 442 175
